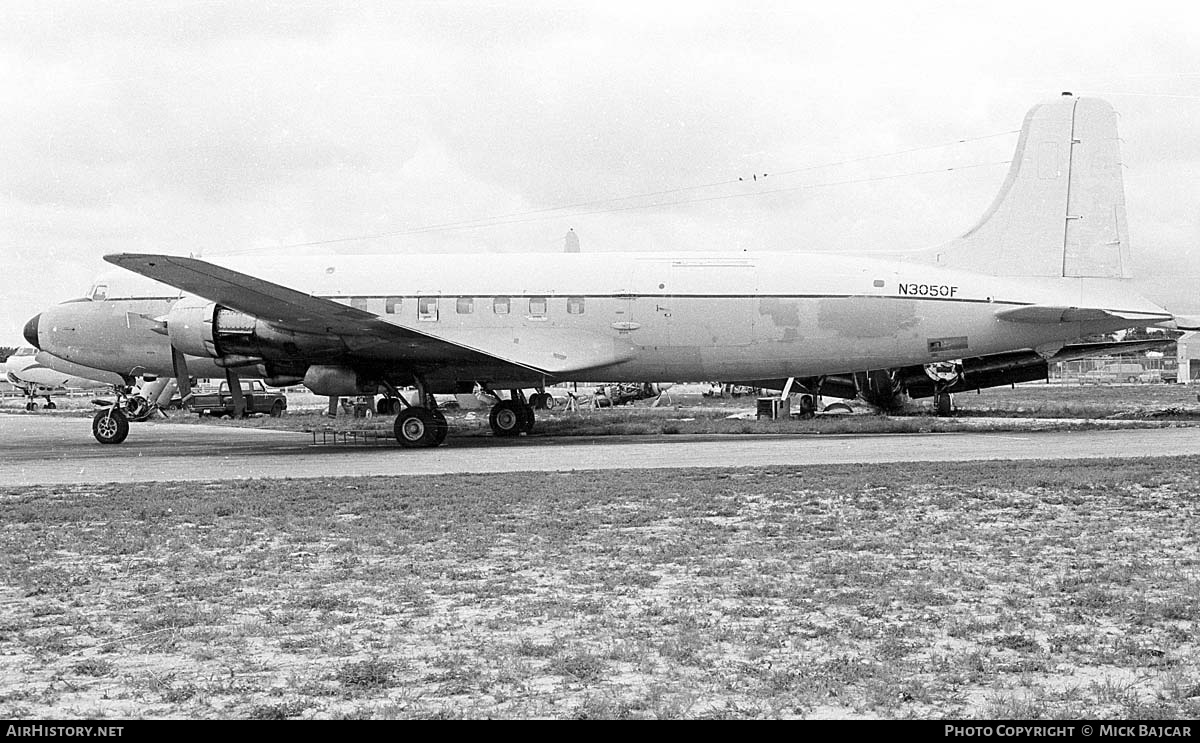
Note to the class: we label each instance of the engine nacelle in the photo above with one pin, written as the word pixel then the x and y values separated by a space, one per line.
pixel 190 327
pixel 199 327
pixel 338 381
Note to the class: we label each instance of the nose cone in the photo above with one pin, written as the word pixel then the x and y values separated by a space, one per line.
pixel 31 329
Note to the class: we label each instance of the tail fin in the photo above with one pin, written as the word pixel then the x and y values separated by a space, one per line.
pixel 1061 210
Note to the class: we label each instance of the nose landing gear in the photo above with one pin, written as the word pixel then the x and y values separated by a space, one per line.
pixel 110 426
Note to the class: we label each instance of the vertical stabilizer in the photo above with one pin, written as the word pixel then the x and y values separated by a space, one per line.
pixel 1061 210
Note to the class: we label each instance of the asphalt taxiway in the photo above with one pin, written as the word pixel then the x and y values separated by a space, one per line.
pixel 42 449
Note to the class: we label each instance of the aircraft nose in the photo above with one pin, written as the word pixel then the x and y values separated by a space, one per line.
pixel 31 331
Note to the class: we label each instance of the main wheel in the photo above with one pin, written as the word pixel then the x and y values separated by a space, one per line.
pixel 418 427
pixel 943 404
pixel 440 427
pixel 527 418
pixel 51 406
pixel 110 426
pixel 506 418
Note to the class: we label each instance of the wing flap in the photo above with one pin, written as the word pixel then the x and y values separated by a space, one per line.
pixel 554 350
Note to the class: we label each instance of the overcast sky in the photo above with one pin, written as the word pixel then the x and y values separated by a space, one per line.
pixel 219 127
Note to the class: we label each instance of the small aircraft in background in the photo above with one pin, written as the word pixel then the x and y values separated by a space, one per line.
pixel 25 371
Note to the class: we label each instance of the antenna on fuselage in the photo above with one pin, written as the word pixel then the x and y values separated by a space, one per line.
pixel 571 242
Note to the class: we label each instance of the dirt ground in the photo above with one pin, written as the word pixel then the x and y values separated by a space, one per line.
pixel 1056 590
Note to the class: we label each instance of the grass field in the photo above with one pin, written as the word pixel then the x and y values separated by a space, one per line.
pixel 1031 590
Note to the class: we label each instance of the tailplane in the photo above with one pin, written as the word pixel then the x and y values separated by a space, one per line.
pixel 1061 210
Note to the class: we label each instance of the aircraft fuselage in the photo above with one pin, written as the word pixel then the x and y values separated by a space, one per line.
pixel 629 316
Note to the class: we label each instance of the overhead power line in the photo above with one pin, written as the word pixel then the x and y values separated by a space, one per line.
pixel 530 215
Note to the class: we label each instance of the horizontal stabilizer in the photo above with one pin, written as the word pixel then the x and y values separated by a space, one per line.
pixel 1041 314
pixel 1184 322
pixel 1076 351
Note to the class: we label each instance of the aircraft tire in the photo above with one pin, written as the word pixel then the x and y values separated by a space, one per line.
pixel 943 404
pixel 527 419
pixel 388 406
pixel 441 428
pixel 110 426
pixel 51 406
pixel 417 427
pixel 506 418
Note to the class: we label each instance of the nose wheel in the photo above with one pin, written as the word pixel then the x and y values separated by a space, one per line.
pixel 110 426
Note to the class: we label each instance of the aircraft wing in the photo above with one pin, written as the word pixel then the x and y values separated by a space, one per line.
pixel 544 351
pixel 274 303
pixel 1052 314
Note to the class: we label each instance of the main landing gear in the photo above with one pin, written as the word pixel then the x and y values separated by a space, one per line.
pixel 418 426
pixel 31 404
pixel 424 425
pixel 512 417
pixel 943 404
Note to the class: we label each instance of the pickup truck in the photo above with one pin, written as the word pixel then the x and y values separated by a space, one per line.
pixel 258 400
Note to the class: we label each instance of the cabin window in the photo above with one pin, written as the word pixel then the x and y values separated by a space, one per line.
pixel 465 305
pixel 574 305
pixel 391 305
pixel 537 306
pixel 99 292
pixel 500 305
pixel 427 308
pixel 358 303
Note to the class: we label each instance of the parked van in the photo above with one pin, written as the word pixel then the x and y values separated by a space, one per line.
pixel 1120 372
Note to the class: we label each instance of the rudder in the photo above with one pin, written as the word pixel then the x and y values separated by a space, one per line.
pixel 1061 210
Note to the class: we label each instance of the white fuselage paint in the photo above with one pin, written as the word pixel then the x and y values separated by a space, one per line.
pixel 654 316
pixel 26 370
